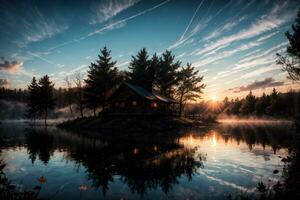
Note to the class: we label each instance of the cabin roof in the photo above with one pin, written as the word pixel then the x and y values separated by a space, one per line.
pixel 152 96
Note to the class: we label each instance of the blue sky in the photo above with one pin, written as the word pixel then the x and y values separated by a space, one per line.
pixel 231 42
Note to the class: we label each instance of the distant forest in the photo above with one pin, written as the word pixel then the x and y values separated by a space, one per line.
pixel 275 104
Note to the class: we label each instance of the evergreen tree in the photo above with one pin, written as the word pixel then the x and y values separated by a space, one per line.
pixel 276 104
pixel 166 76
pixel 141 72
pixel 189 87
pixel 226 105
pixel 291 61
pixel 248 105
pixel 46 100
pixel 33 100
pixel 102 77
pixel 261 104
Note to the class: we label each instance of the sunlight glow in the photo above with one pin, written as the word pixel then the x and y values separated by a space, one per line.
pixel 213 141
pixel 214 98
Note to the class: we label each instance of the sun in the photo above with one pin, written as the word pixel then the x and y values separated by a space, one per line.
pixel 214 98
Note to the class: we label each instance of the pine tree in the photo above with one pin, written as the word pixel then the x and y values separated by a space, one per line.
pixel 291 61
pixel 102 77
pixel 166 76
pixel 33 100
pixel 189 86
pixel 46 99
pixel 261 104
pixel 248 105
pixel 141 70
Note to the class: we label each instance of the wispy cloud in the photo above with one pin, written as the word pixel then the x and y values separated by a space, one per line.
pixel 104 10
pixel 122 22
pixel 260 71
pixel 32 25
pixel 123 64
pixel 41 58
pixel 227 53
pixel 267 82
pixel 226 27
pixel 267 22
pixel 4 82
pixel 110 26
pixel 10 66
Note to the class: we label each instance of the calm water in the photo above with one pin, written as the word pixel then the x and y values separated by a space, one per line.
pixel 229 158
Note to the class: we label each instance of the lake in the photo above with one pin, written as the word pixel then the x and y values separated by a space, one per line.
pixel 208 163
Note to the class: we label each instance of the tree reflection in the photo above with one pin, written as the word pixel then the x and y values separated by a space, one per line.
pixel 142 165
pixel 39 145
pixel 276 136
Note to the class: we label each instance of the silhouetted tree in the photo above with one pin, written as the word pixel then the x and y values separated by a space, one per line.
pixel 46 100
pixel 69 95
pixel 140 71
pixel 189 86
pixel 78 78
pixel 33 100
pixel 291 60
pixel 248 104
pixel 276 105
pixel 166 76
pixel 102 77
pixel 261 104
pixel 236 107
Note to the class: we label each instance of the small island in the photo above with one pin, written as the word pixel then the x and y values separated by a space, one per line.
pixel 149 97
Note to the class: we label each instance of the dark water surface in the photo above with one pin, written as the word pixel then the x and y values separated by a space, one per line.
pixel 229 158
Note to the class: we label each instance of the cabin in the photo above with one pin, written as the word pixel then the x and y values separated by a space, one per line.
pixel 134 99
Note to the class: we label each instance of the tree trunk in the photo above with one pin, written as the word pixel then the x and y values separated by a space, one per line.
pixel 81 110
pixel 94 109
pixel 180 109
pixel 46 115
pixel 180 105
pixel 103 107
pixel 71 110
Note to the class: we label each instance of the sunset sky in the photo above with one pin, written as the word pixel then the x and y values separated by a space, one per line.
pixel 231 42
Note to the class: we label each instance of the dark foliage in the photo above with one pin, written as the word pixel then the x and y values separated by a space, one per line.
pixel 102 78
pixel 290 61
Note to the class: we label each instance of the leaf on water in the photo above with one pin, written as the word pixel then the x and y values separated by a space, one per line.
pixel 83 187
pixel 42 179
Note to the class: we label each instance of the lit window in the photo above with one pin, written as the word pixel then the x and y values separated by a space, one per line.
pixel 154 105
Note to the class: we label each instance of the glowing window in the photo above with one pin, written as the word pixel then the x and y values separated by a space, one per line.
pixel 154 105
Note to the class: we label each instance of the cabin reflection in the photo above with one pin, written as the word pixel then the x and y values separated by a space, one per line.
pixel 144 164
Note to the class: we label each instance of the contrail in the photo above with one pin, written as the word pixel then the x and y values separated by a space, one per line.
pixel 200 4
pixel 222 9
pixel 112 25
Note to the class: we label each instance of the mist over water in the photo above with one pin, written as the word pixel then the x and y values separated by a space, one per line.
pixel 207 163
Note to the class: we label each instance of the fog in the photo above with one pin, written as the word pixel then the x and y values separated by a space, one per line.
pixel 252 119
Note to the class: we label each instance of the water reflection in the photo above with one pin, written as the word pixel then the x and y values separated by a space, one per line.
pixel 222 159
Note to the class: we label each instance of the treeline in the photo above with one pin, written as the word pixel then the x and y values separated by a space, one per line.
pixel 21 95
pixel 275 104
pixel 13 94
pixel 162 73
